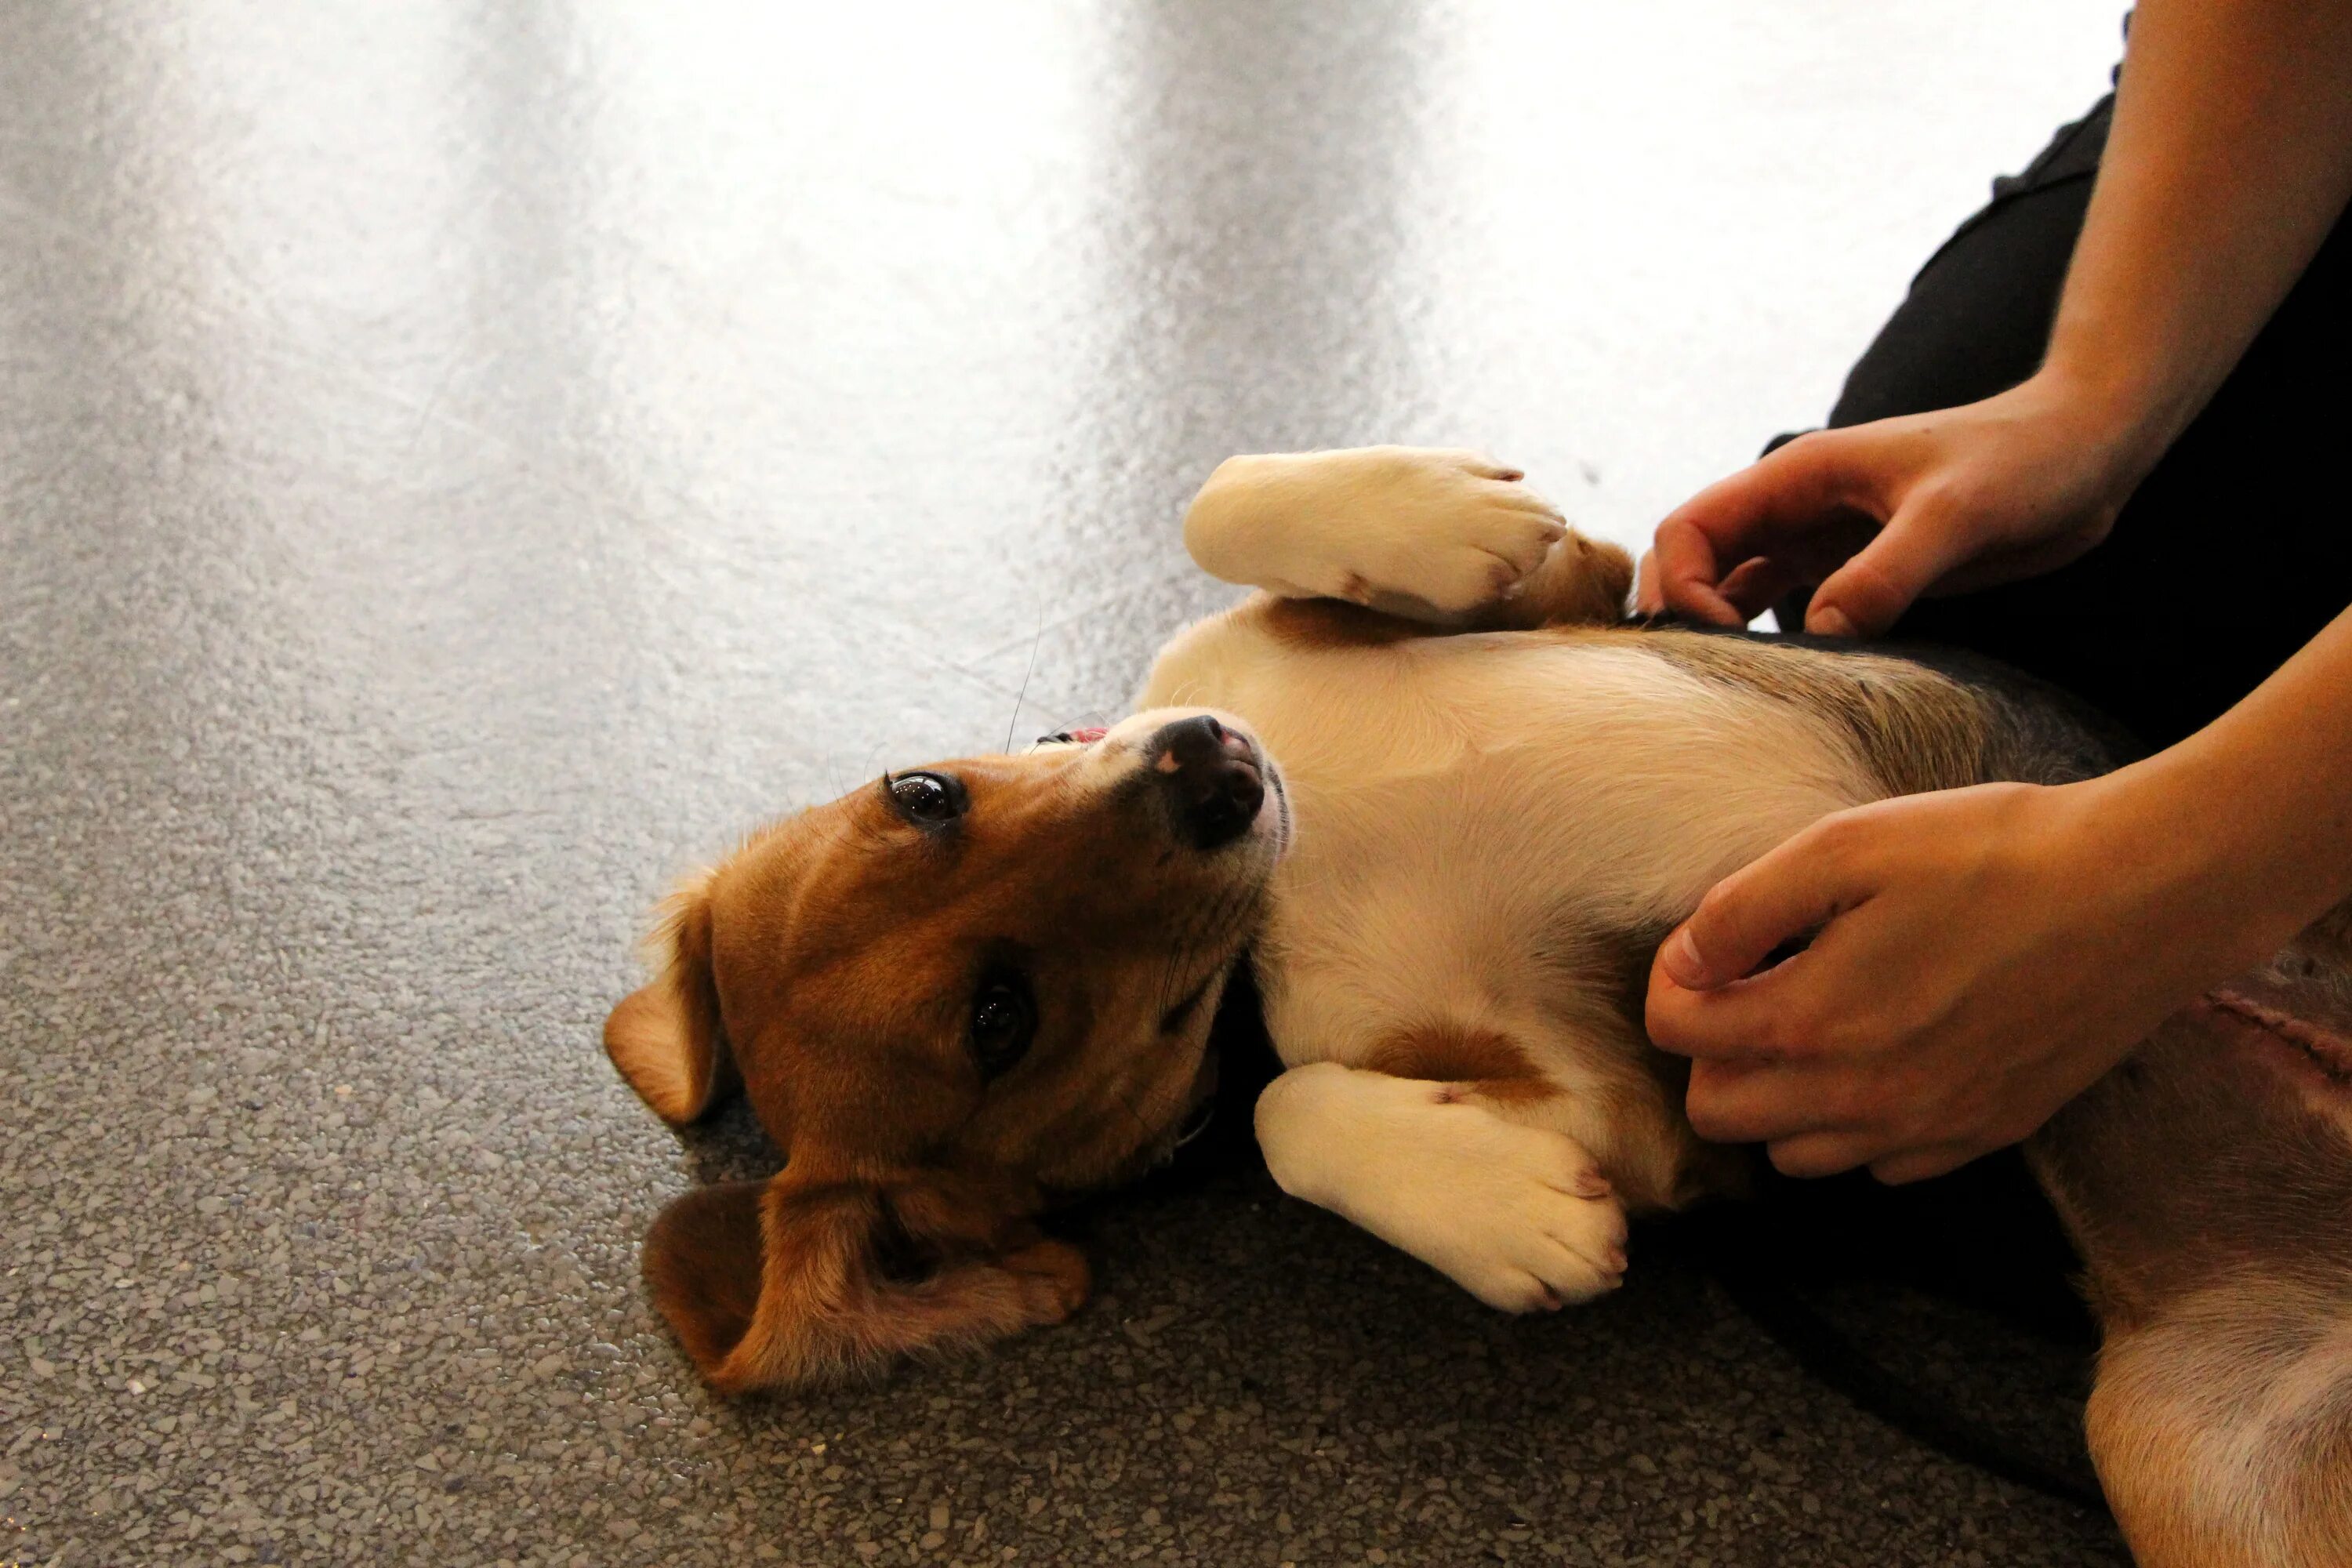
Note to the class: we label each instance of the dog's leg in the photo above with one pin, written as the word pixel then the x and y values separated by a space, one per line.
pixel 2222 1427
pixel 2208 1184
pixel 1520 1216
pixel 1442 537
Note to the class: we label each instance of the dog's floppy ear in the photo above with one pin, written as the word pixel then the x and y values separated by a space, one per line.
pixel 665 1036
pixel 803 1280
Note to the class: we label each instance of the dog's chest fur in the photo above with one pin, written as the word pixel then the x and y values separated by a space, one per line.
pixel 1492 828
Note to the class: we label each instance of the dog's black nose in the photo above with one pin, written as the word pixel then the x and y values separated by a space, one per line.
pixel 1211 780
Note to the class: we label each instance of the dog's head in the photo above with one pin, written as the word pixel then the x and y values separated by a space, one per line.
pixel 948 995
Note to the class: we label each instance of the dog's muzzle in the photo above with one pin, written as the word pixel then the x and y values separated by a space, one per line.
pixel 1212 779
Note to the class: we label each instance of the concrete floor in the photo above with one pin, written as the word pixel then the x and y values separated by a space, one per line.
pixel 459 463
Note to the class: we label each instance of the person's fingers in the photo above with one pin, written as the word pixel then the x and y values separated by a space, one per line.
pixel 1786 892
pixel 1812 478
pixel 1694 1008
pixel 1749 1101
pixel 1869 592
pixel 1686 575
pixel 1918 1164
pixel 1757 583
pixel 1808 481
pixel 1647 600
pixel 1764 1018
pixel 1824 1153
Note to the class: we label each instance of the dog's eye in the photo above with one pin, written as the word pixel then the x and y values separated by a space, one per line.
pixel 1003 1019
pixel 926 798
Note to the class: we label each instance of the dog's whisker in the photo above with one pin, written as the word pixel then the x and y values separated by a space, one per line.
pixel 864 769
pixel 1022 695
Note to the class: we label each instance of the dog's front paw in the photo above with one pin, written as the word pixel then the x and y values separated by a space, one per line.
pixel 1451 529
pixel 1437 534
pixel 1519 1216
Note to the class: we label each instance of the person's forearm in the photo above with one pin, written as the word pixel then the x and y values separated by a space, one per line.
pixel 2230 157
pixel 2257 807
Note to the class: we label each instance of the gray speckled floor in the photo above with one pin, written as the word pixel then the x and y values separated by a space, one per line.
pixel 459 462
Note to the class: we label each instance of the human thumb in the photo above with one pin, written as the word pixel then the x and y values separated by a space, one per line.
pixel 1871 591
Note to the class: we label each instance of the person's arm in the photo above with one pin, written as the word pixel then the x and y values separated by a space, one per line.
pixel 2230 156
pixel 2230 159
pixel 1984 954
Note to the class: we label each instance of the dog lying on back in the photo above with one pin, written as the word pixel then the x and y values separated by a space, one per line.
pixel 1448 800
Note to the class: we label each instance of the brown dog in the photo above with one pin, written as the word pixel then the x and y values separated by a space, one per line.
pixel 959 992
pixel 944 1027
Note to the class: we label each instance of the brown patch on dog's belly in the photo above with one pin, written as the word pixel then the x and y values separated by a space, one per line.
pixel 1453 1053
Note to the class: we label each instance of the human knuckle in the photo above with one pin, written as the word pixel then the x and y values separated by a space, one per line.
pixel 1799 1025
pixel 1811 447
pixel 2002 1127
pixel 1709 1117
pixel 1836 842
pixel 1770 1037
pixel 1951 506
pixel 1933 497
pixel 1913 1125
pixel 1717 917
pixel 1846 1099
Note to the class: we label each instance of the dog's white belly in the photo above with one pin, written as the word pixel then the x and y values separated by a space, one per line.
pixel 1475 813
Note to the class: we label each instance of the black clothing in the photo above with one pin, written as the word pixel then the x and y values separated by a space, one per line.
pixel 2235 551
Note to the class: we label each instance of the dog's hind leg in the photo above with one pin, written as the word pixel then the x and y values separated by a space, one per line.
pixel 2208 1184
pixel 2222 1427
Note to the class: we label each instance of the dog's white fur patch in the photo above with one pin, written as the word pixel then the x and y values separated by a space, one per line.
pixel 1475 814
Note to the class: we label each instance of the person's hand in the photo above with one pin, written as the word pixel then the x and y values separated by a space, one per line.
pixel 1982 956
pixel 1882 514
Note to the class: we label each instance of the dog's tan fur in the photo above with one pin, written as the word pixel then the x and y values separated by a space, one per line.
pixel 1504 796
pixel 824 963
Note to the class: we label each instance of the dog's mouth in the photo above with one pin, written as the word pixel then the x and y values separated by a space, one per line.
pixel 1284 830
